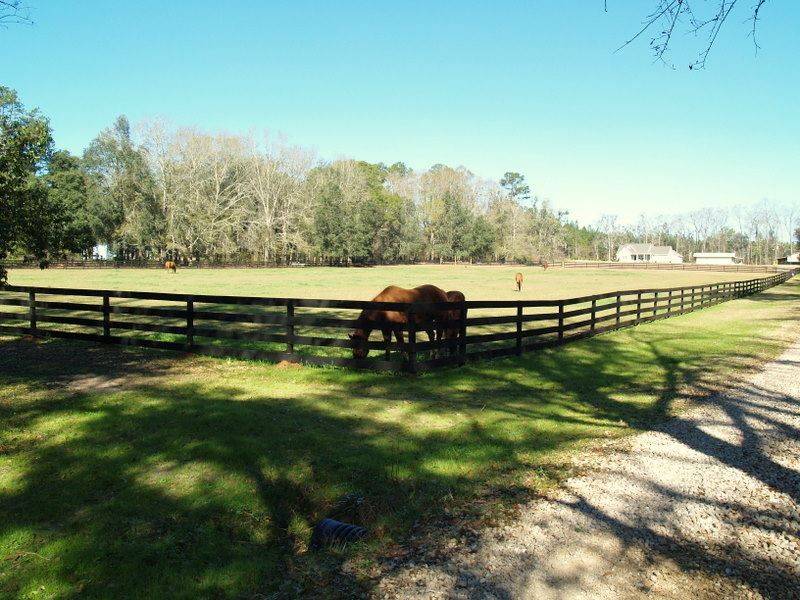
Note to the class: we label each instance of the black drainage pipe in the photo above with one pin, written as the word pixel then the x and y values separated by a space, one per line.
pixel 331 531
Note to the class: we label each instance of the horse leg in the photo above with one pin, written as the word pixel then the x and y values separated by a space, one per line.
pixel 432 337
pixel 387 339
pixel 398 335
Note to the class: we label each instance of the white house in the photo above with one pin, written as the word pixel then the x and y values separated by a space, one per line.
pixel 715 258
pixel 634 253
pixel 792 259
pixel 101 252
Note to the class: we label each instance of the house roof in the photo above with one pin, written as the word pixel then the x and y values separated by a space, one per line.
pixel 648 249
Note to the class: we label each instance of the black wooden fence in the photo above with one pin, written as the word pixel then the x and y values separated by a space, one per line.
pixel 291 329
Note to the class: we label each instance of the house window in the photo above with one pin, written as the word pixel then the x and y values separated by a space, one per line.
pixel 647 257
pixel 641 257
pixel 633 257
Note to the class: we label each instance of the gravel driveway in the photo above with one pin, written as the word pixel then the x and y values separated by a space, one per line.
pixel 706 506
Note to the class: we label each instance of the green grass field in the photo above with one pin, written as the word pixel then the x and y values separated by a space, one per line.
pixel 477 282
pixel 130 473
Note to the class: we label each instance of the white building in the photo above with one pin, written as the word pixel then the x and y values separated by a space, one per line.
pixel 715 258
pixel 634 253
pixel 101 252
pixel 792 259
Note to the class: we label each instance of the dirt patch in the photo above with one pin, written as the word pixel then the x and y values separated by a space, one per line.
pixel 287 364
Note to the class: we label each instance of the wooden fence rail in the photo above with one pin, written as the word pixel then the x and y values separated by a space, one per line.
pixel 292 329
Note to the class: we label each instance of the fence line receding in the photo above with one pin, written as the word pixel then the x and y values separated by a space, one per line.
pixel 315 331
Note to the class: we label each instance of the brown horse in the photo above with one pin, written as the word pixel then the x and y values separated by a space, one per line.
pixel 392 321
pixel 451 330
pixel 171 266
pixel 518 279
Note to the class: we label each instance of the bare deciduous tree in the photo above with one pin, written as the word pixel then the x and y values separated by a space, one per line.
pixel 609 226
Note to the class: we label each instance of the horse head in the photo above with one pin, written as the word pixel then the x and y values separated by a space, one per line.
pixel 359 339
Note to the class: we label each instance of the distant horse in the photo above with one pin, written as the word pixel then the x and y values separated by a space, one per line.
pixel 450 330
pixel 545 265
pixel 392 321
pixel 518 279
pixel 171 266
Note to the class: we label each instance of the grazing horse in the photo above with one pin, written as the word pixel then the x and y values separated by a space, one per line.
pixel 392 321
pixel 451 328
pixel 518 279
pixel 171 266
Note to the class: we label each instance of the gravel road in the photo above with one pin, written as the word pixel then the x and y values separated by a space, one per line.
pixel 707 506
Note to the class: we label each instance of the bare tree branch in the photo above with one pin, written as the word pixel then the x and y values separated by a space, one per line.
pixel 14 12
pixel 668 15
pixel 754 20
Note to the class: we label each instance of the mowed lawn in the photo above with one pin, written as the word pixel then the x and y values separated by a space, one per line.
pixel 477 282
pixel 132 473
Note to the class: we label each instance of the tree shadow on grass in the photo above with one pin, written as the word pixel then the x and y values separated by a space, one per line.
pixel 188 488
pixel 185 488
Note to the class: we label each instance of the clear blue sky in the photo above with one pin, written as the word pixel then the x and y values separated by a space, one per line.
pixel 528 86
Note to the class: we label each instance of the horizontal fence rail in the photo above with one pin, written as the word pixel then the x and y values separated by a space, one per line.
pixel 314 331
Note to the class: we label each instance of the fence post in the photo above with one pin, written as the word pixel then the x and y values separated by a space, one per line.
pixel 32 311
pixel 462 335
pixel 519 329
pixel 189 323
pixel 655 303
pixel 290 326
pixel 106 316
pixel 594 315
pixel 561 320
pixel 638 307
pixel 669 303
pixel 619 299
pixel 411 365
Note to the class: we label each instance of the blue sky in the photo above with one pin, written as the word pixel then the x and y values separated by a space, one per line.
pixel 528 86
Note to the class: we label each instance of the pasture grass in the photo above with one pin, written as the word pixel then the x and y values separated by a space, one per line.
pixel 130 473
pixel 477 282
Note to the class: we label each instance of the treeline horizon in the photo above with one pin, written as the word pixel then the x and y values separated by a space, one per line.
pixel 184 194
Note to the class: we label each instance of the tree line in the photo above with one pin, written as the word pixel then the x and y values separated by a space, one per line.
pixel 155 192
